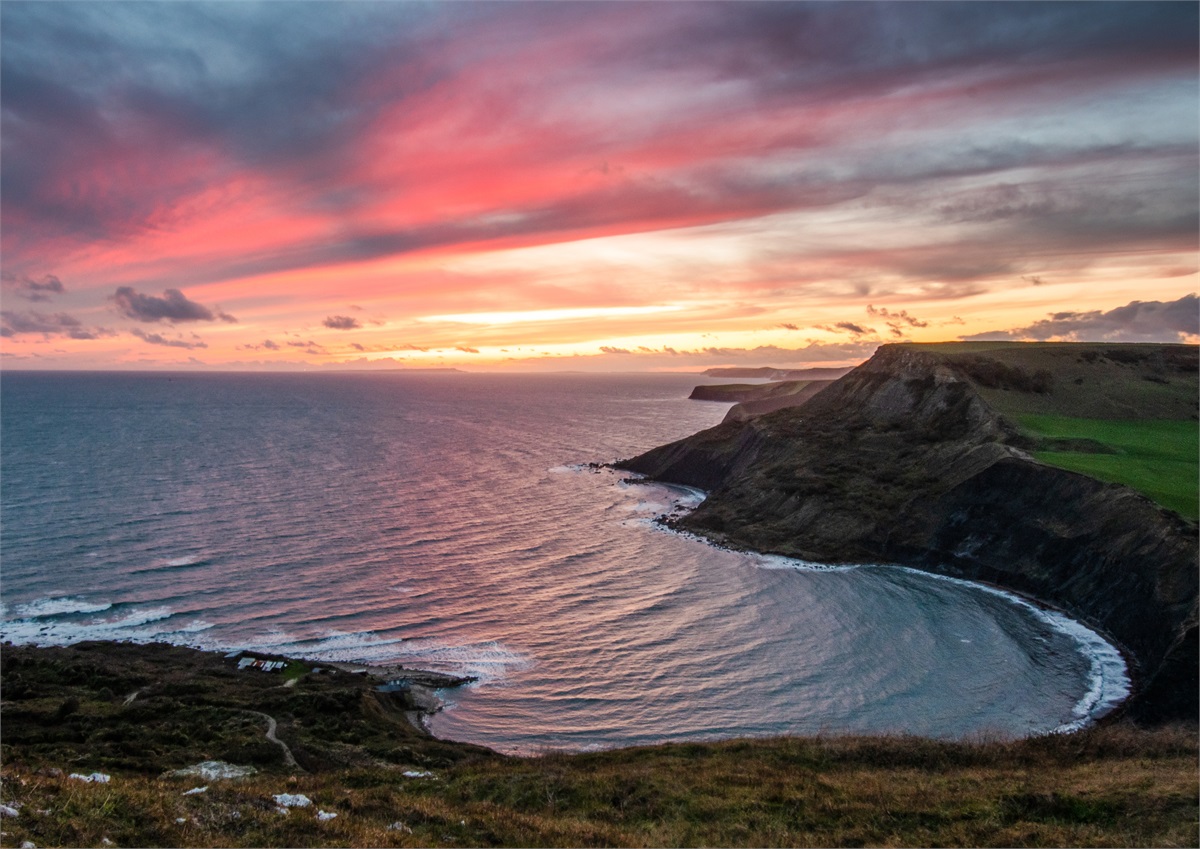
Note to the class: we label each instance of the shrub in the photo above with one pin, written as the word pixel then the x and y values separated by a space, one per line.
pixel 997 375
pixel 69 706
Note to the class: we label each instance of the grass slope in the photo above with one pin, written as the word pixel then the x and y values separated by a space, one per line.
pixel 1127 382
pixel 66 711
pixel 1107 787
pixel 1122 413
pixel 1158 458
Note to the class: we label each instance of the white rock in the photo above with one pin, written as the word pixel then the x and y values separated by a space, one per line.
pixel 283 811
pixel 181 820
pixel 213 770
pixel 288 800
pixel 95 777
pixel 195 790
pixel 6 811
pixel 28 844
pixel 399 826
pixel 325 816
pixel 418 773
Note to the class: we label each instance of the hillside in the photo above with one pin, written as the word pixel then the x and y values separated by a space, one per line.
pixel 920 457
pixel 136 715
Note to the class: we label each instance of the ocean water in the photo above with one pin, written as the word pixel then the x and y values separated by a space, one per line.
pixel 451 521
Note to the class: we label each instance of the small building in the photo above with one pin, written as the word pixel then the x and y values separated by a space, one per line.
pixel 259 663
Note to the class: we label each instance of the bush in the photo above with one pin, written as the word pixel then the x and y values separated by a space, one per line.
pixel 69 706
pixel 997 375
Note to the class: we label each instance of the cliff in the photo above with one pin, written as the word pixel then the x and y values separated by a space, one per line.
pixel 917 458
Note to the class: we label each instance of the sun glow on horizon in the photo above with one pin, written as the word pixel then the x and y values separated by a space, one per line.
pixel 533 316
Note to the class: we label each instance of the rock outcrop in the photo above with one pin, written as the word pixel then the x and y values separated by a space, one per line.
pixel 904 461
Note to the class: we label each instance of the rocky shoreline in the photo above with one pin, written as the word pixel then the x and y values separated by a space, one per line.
pixel 418 688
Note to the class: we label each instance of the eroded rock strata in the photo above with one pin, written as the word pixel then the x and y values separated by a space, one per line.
pixel 904 461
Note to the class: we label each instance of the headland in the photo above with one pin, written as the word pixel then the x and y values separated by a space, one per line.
pixel 959 459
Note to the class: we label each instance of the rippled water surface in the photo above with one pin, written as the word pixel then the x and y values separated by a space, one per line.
pixel 450 521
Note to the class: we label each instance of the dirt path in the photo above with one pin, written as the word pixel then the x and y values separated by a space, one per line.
pixel 271 726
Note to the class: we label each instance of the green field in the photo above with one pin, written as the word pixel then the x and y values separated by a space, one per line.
pixel 1159 458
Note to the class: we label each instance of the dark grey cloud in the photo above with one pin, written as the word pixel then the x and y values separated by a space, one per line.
pixel 609 349
pixel 209 68
pixel 1137 321
pixel 341 322
pixel 307 347
pixel 831 49
pixel 898 316
pixel 1154 204
pixel 173 306
pixel 85 87
pixel 265 345
pixel 31 289
pixel 897 321
pixel 159 339
pixel 57 324
pixel 789 326
pixel 856 329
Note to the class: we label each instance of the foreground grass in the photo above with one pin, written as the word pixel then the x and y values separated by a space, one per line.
pixel 137 713
pixel 1107 787
pixel 1158 458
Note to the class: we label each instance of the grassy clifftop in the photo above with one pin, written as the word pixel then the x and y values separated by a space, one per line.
pixel 1124 414
pixel 68 710
pixel 1125 382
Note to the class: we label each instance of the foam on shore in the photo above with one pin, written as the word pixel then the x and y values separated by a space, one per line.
pixel 62 621
pixel 1108 679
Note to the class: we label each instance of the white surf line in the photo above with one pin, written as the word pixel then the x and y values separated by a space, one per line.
pixel 1109 681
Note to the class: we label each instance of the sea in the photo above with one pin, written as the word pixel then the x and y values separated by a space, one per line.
pixel 463 522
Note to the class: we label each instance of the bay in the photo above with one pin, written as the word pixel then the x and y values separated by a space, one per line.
pixel 452 521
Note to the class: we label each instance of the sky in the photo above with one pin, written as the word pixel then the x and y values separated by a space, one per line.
pixel 609 186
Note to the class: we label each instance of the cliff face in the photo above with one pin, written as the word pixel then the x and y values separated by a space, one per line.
pixel 902 461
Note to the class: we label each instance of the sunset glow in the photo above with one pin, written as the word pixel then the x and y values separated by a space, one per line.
pixel 595 186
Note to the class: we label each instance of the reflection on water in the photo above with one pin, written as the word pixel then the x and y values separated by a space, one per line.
pixel 451 521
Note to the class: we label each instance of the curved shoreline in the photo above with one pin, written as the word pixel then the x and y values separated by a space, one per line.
pixel 1050 615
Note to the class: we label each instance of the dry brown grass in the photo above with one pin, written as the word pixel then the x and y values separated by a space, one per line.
pixel 1116 786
